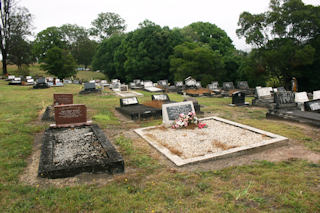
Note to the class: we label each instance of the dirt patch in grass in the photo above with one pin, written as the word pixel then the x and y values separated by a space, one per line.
pixel 155 104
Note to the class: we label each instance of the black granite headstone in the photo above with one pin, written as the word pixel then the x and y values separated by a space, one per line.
pixel 284 99
pixel 238 98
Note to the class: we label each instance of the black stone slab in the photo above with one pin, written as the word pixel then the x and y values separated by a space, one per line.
pixel 284 100
pixel 112 163
pixel 312 106
pixel 238 98
pixel 140 112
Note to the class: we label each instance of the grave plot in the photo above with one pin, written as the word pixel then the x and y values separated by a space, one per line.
pixel 286 109
pixel 131 108
pixel 221 139
pixel 73 145
pixel 58 99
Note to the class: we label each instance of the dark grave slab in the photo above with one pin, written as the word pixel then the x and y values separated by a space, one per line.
pixel 70 115
pixel 130 107
pixel 312 106
pixel 243 85
pixel 90 88
pixel 67 152
pixel 59 99
pixel 196 105
pixel 238 98
pixel 171 112
pixel 227 86
pixel 284 100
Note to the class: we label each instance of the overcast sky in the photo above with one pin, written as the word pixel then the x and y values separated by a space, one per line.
pixel 172 13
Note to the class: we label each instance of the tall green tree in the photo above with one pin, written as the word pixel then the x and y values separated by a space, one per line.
pixel 59 62
pixel 21 52
pixel 15 21
pixel 107 24
pixel 283 36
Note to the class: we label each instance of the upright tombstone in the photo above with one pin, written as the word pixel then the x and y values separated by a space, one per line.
pixel 62 99
pixel 179 83
pixel 190 82
pixel 312 106
pixel 163 83
pixel 285 100
pixel 90 88
pixel 41 83
pixel 160 97
pixel 10 77
pixel 124 88
pixel 263 92
pixel 238 98
pixel 281 89
pixel 227 86
pixel 198 84
pixel 243 85
pixel 70 115
pixel 171 112
pixel 147 84
pixel 316 95
pixel 300 98
pixel 124 102
pixel 16 81
pixel 263 97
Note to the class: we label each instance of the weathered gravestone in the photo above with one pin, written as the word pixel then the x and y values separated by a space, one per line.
pixel 263 97
pixel 227 86
pixel 41 83
pixel 70 115
pixel 171 112
pixel 179 84
pixel 10 77
pixel 163 83
pixel 128 101
pixel 124 88
pixel 148 84
pixel 243 85
pixel 284 100
pixel 263 92
pixel 190 82
pixel 15 81
pixel 60 99
pixel 238 98
pixel 316 94
pixel 198 84
pixel 90 88
pixel 300 98
pixel 160 97
pixel 313 106
pixel 214 85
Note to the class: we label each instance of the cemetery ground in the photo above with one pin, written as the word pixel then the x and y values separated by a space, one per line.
pixel 285 178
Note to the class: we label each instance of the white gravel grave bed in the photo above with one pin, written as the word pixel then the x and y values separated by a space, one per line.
pixel 222 137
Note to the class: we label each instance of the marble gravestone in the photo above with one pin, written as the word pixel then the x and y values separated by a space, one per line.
pixel 148 84
pixel 179 84
pixel 190 82
pixel 301 97
pixel 316 95
pixel 228 86
pixel 160 97
pixel 243 85
pixel 171 112
pixel 128 101
pixel 263 92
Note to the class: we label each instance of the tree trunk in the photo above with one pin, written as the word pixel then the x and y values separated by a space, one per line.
pixel 4 63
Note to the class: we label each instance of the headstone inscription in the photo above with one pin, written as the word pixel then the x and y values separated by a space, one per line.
pixel 171 112
pixel 228 86
pixel 61 99
pixel 243 85
pixel 160 97
pixel 128 101
pixel 316 95
pixel 89 86
pixel 69 115
pixel 313 105
pixel 284 99
pixel 238 98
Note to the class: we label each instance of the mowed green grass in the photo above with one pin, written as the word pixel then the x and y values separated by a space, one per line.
pixel 287 186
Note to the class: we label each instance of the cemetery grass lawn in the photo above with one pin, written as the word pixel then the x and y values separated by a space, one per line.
pixel 153 186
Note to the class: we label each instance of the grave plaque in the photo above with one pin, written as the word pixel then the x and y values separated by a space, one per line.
pixel 179 84
pixel 284 99
pixel 171 112
pixel 70 114
pixel 128 101
pixel 228 86
pixel 89 86
pixel 243 85
pixel 313 105
pixel 160 97
pixel 263 92
pixel 301 97
pixel 59 99
pixel 316 94
pixel 238 98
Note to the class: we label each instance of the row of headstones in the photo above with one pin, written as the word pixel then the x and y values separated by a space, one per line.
pixel 18 80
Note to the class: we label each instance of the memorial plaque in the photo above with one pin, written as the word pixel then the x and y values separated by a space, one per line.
pixel 263 92
pixel 238 98
pixel 301 97
pixel 316 94
pixel 243 85
pixel 171 112
pixel 148 84
pixel 228 86
pixel 70 114
pixel 59 99
pixel 284 99
pixel 179 84
pixel 313 105
pixel 128 101
pixel 160 97
pixel 41 80
pixel 89 86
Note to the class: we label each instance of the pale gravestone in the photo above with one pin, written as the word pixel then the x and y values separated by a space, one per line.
pixel 263 92
pixel 316 95
pixel 163 83
pixel 128 101
pixel 301 97
pixel 41 80
pixel 285 99
pixel 190 82
pixel 171 112
pixel 198 84
pixel 60 99
pixel 11 77
pixel 214 85
pixel 228 86
pixel 70 115
pixel 148 84
pixel 160 97
pixel 179 84
pixel 243 85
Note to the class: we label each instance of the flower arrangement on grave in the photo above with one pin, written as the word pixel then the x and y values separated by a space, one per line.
pixel 187 120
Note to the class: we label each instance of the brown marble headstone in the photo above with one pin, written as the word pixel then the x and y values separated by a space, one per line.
pixel 59 99
pixel 72 114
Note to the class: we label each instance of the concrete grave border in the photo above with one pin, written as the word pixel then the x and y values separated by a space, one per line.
pixel 276 141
